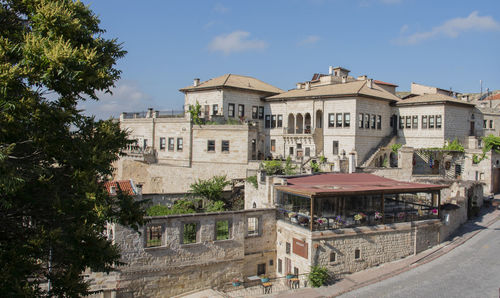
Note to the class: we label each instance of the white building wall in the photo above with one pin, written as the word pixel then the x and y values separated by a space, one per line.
pixel 418 137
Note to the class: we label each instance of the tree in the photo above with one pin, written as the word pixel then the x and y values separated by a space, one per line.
pixel 53 159
pixel 210 189
pixel 318 276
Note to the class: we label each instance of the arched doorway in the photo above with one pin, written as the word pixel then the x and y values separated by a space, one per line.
pixel 319 119
pixel 299 124
pixel 291 123
pixel 307 123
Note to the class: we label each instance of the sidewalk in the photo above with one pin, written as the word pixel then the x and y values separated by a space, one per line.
pixel 376 274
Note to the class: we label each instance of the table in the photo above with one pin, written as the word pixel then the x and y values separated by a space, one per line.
pixel 294 283
pixel 267 287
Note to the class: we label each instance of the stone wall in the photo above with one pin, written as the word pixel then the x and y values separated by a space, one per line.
pixel 173 268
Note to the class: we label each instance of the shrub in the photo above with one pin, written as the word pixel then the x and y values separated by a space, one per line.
pixel 318 276
pixel 395 148
pixel 215 206
pixel 272 167
pixel 253 181
pixel 179 207
pixel 315 167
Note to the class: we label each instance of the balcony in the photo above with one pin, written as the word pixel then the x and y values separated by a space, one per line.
pixel 147 154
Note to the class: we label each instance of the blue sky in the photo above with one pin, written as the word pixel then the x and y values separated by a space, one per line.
pixel 440 43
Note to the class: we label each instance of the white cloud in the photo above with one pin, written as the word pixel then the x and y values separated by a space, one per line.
pixel 311 39
pixel 220 8
pixel 126 97
pixel 403 29
pixel 236 41
pixel 391 1
pixel 454 27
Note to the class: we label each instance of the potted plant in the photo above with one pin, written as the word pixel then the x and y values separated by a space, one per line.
pixel 236 282
pixel 378 215
pixel 264 278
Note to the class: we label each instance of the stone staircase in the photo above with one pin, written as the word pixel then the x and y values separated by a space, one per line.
pixel 383 144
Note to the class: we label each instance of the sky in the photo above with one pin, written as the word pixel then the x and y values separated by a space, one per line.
pixel 447 44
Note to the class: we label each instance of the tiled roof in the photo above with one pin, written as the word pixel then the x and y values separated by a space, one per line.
pixel 356 88
pixel 235 81
pixel 339 184
pixel 126 186
pixel 384 83
pixel 493 97
pixel 432 98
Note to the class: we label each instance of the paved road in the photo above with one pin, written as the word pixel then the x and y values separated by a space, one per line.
pixel 470 270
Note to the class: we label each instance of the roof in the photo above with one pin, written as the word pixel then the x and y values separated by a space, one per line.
pixel 350 184
pixel 384 83
pixel 356 88
pixel 126 186
pixel 493 97
pixel 432 99
pixel 234 81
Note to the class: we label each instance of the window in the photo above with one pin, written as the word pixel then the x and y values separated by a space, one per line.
pixel 357 254
pixel 230 110
pixel 189 233
pixel 215 109
pixel 253 226
pixel 271 262
pixel 241 110
pixel 261 269
pixel 331 120
pixel 408 122
pixel 273 121
pixel 225 146
pixel 414 125
pixel 299 146
pixel 401 122
pixel 491 122
pixel 431 121
pixel 295 271
pixel 163 143
pixel 222 230
pixel 273 145
pixel 287 248
pixel 339 120
pixel 255 112
pixel 211 146
pixel 335 149
pixel 261 112
pixel 379 122
pixel 290 150
pixel 308 151
pixel 280 266
pixel 280 121
pixel 180 144
pixel 333 257
pixel 268 121
pixel 485 123
pixel 360 124
pixel 170 144
pixel 424 122
pixel 439 120
pixel 347 119
pixel 367 120
pixel 153 236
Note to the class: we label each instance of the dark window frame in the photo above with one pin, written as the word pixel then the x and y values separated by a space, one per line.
pixel 379 122
pixel 154 235
pixel 439 121
pixel 367 121
pixel 339 120
pixel 225 233
pixel 241 110
pixel 273 145
pixel 273 121
pixel 256 226
pixel 224 146
pixel 210 145
pixel 347 119
pixel 431 122
pixel 335 147
pixel 361 120
pixel 424 122
pixel 188 232
pixel 267 121
pixel 280 121
pixel 171 144
pixel 261 112
pixel 180 144
pixel 408 122
pixel 255 112
pixel 163 143
pixel 414 122
pixel 230 110
pixel 331 120
pixel 215 109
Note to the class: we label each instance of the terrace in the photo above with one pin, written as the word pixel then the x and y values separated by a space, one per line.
pixel 334 201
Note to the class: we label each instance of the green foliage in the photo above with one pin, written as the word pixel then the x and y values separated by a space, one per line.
pixel 385 163
pixel 318 276
pixel 490 142
pixel 315 167
pixel 289 168
pixel 454 146
pixel 322 159
pixel 53 159
pixel 253 180
pixel 272 167
pixel 216 206
pixel 195 112
pixel 395 147
pixel 179 207
pixel 210 189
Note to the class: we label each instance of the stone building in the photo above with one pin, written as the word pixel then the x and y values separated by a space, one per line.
pixel 348 121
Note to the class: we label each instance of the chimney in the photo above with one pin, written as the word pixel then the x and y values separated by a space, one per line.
pixel 344 79
pixel 370 83
pixel 196 82
pixel 362 78
pixel 308 86
pixel 149 113
pixel 330 70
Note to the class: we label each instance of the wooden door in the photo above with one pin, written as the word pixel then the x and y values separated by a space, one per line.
pixel 288 266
